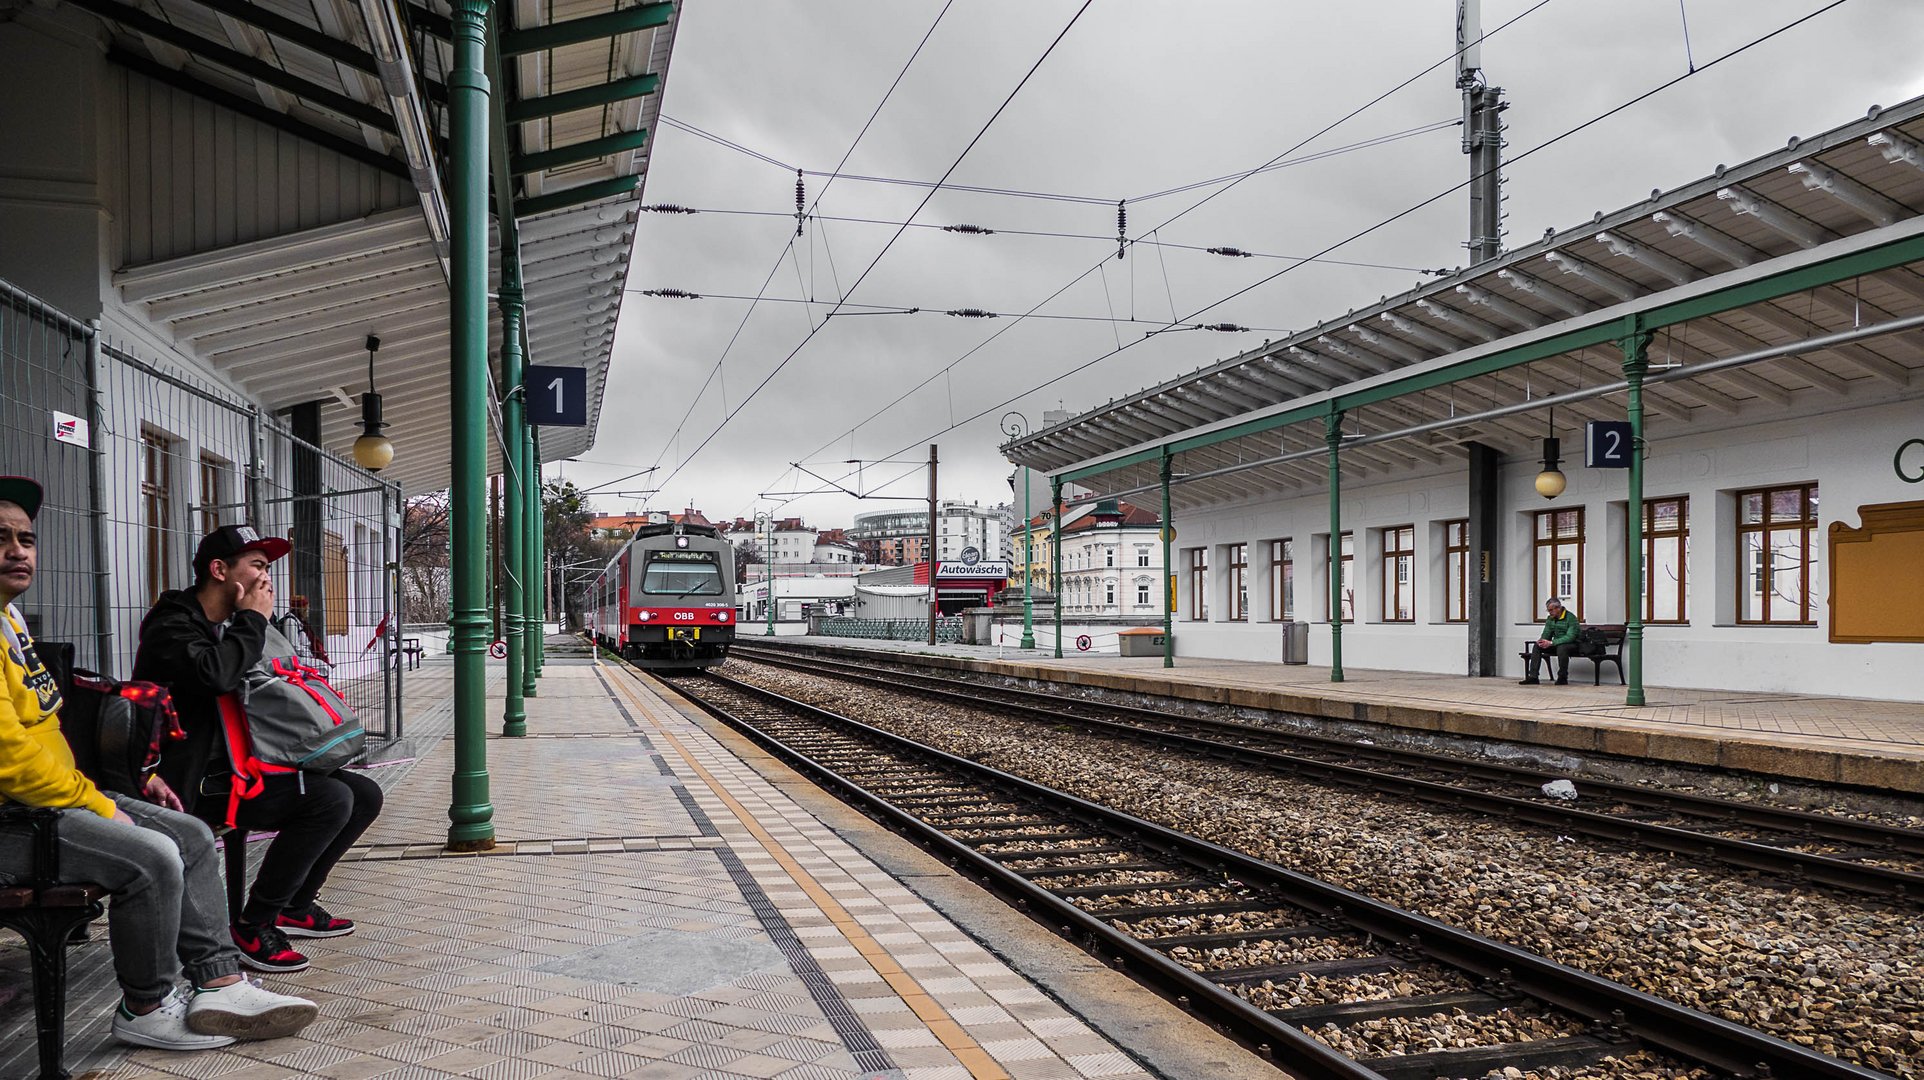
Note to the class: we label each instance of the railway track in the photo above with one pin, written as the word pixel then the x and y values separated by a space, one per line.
pixel 1292 966
pixel 1797 847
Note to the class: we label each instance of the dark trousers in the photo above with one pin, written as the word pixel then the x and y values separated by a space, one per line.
pixel 1563 653
pixel 318 817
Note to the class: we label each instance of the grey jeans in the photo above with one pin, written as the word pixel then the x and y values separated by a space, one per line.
pixel 169 911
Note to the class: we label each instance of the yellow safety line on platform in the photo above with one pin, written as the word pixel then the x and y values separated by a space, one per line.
pixel 957 1040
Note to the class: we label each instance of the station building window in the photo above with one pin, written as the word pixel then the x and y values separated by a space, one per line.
pixel 156 504
pixel 212 469
pixel 1142 591
pixel 1198 565
pixel 1237 567
pixel 1347 581
pixel 1282 580
pixel 1399 574
pixel 1666 559
pixel 1456 571
pixel 1557 569
pixel 1777 554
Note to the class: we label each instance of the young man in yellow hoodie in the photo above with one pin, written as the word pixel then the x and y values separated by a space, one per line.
pixel 168 912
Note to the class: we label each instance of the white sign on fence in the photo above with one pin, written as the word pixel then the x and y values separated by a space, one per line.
pixel 70 429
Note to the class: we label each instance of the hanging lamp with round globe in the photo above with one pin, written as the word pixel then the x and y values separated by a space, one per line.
pixel 1551 481
pixel 372 451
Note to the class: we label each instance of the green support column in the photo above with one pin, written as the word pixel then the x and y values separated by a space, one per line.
pixel 1636 362
pixel 1333 435
pixel 538 563
pixel 470 814
pixel 1028 563
pixel 1055 556
pixel 1168 616
pixel 514 461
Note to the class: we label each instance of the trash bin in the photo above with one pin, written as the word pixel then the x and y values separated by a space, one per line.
pixel 1296 643
pixel 1142 641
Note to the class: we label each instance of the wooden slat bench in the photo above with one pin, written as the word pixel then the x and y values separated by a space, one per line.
pixel 46 913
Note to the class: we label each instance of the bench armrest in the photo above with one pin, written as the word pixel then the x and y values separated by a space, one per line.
pixel 44 823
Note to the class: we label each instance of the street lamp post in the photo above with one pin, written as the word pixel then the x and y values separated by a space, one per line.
pixel 1015 425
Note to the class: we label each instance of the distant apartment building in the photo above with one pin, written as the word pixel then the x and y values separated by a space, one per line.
pixel 900 537
pixel 1111 560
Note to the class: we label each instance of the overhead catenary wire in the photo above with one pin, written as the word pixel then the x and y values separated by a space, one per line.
pixel 880 255
pixel 1546 144
pixel 715 371
pixel 920 309
pixel 1237 179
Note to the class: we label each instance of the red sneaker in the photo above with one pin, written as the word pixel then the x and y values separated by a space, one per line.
pixel 265 948
pixel 312 921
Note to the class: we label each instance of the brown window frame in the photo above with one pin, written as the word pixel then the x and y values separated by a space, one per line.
pixel 212 469
pixel 334 582
pixel 1197 566
pixel 1237 566
pixel 156 504
pixel 1345 565
pixel 1456 571
pixel 1282 580
pixel 1398 587
pixel 1805 523
pixel 1651 535
pixel 1541 590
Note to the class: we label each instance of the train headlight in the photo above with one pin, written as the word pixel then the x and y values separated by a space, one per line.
pixel 645 616
pixel 721 616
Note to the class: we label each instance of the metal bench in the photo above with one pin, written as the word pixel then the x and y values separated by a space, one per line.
pixel 46 912
pixel 1613 635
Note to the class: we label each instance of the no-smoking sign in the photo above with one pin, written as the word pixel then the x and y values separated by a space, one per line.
pixel 1084 642
pixel 498 650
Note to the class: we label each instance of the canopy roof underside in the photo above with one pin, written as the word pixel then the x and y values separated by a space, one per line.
pixel 577 83
pixel 1821 238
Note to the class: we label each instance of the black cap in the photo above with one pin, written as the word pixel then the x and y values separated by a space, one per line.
pixel 19 489
pixel 229 541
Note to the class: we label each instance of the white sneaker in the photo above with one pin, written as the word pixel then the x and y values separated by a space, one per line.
pixel 165 1028
pixel 245 1010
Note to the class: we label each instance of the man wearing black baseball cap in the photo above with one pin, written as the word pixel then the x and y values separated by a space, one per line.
pixel 158 863
pixel 201 642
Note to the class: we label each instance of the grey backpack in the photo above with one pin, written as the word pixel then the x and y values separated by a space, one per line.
pixel 285 719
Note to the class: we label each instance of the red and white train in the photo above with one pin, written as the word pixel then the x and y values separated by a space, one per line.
pixel 666 601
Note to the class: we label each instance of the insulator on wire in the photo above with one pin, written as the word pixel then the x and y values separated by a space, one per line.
pixel 668 208
pixel 1234 253
pixel 1122 226
pixel 1225 328
pixel 972 230
pixel 972 313
pixel 801 195
pixel 672 294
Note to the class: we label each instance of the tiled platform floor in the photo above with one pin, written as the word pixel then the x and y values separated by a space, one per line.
pixel 655 908
pixel 1853 740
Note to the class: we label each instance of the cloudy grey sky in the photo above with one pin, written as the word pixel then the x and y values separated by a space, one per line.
pixel 1136 99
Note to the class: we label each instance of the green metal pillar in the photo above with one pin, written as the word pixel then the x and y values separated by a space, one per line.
pixel 538 563
pixel 1168 617
pixel 1636 362
pixel 1333 436
pixel 470 814
pixel 1055 556
pixel 531 560
pixel 514 530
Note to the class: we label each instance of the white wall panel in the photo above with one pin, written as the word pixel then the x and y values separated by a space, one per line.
pixel 189 176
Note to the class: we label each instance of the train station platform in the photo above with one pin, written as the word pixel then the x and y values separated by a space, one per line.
pixel 664 902
pixel 1878 745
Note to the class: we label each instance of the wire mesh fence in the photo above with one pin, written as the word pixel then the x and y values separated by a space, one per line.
pixel 140 459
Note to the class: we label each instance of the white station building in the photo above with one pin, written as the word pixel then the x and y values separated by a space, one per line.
pixel 1779 306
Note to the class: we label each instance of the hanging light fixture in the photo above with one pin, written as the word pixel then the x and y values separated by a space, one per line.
pixel 372 451
pixel 1551 481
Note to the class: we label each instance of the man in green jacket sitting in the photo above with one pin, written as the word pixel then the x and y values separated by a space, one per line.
pixel 1560 637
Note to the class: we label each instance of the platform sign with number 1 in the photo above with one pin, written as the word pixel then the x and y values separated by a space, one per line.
pixel 1607 444
pixel 557 396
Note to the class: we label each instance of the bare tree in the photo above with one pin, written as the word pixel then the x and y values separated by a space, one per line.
pixel 426 581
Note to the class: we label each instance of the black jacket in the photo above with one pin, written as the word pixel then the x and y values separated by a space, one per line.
pixel 180 650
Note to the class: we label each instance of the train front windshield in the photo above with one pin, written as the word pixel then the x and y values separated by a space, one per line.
pixel 681 573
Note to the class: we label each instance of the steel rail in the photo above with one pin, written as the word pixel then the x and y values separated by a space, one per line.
pixel 1656 1022
pixel 1799 867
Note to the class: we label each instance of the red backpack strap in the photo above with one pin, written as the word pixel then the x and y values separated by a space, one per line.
pixel 300 675
pixel 248 776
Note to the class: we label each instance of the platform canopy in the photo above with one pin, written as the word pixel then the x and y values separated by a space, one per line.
pixel 1779 285
pixel 279 294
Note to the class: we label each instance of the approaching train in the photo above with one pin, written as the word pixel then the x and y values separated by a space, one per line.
pixel 666 601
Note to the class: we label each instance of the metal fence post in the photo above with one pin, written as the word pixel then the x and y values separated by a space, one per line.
pixel 97 493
